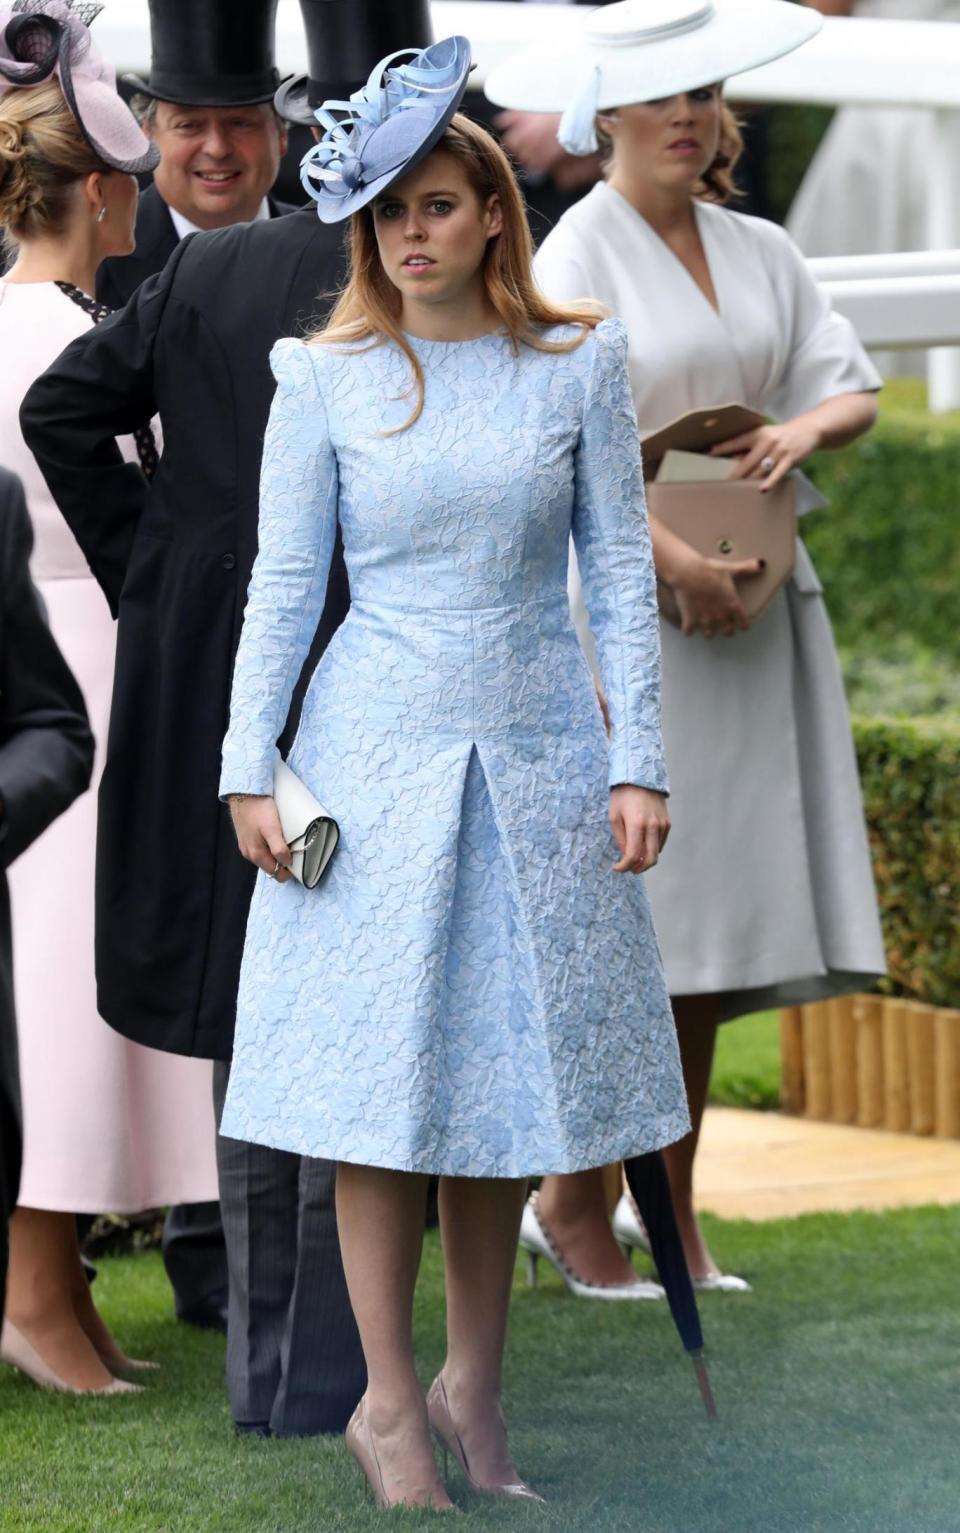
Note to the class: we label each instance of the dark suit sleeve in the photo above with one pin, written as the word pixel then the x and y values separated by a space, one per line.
pixel 101 387
pixel 46 748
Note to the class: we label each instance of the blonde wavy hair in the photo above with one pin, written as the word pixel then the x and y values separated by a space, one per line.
pixel 43 155
pixel 717 183
pixel 368 308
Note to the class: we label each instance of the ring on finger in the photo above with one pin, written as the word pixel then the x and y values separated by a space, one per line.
pixel 768 463
pixel 272 872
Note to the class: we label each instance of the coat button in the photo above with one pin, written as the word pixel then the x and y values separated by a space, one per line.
pixel 229 562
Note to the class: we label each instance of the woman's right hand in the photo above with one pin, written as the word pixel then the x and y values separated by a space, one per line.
pixel 259 836
pixel 707 595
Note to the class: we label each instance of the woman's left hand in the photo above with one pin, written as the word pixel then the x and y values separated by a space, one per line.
pixel 641 824
pixel 768 453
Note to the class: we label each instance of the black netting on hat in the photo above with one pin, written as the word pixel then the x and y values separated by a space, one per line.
pixel 86 11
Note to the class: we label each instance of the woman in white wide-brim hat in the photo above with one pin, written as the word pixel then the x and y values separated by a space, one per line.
pixel 766 897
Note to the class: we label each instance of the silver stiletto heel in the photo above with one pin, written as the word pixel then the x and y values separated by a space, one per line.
pixel 628 1231
pixel 631 1235
pixel 535 1240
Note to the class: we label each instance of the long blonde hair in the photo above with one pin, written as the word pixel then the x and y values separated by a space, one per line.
pixel 368 308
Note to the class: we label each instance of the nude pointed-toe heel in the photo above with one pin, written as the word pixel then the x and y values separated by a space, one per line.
pixel 444 1430
pixel 21 1354
pixel 359 1441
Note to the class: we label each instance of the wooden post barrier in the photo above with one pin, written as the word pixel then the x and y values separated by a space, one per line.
pixel 791 1060
pixel 946 1028
pixel 843 1059
pixel 919 1024
pixel 868 1019
pixel 816 1060
pixel 875 1061
pixel 896 1088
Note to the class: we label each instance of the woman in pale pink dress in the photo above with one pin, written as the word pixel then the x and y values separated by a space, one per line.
pixel 108 1125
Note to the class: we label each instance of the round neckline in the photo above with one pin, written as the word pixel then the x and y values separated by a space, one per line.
pixel 489 335
pixel 45 282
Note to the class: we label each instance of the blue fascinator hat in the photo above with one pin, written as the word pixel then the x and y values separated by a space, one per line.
pixel 386 128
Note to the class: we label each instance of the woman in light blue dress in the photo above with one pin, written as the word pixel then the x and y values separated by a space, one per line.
pixel 472 991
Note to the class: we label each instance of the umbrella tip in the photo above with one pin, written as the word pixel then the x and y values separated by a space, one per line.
pixel 703 1381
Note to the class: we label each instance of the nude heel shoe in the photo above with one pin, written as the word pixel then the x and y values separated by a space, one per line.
pixel 21 1354
pixel 444 1430
pixel 359 1440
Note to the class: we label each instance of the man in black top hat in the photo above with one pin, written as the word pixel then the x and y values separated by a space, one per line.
pixel 174 559
pixel 208 106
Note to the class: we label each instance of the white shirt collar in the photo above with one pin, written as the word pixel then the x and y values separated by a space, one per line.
pixel 184 227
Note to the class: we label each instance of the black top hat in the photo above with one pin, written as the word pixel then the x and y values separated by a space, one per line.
pixel 210 53
pixel 345 38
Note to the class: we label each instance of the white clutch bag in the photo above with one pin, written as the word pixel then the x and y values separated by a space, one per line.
pixel 310 832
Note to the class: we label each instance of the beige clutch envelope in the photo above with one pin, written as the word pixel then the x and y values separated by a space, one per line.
pixel 724 520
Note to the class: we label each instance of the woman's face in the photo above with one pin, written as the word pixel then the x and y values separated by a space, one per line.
pixel 432 231
pixel 118 196
pixel 672 141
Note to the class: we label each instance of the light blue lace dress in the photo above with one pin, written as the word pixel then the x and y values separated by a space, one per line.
pixel 471 990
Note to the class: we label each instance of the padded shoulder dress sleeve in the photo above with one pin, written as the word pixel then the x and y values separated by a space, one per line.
pixel 298 521
pixel 824 355
pixel 612 541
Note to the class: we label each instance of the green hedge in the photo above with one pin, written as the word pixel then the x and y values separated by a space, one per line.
pixel 910 773
pixel 888 552
pixel 794 133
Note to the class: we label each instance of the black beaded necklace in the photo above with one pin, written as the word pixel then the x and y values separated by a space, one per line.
pixel 142 435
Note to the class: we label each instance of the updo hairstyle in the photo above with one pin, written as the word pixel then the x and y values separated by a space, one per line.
pixel 43 155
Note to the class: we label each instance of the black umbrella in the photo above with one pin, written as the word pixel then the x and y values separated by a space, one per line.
pixel 650 1190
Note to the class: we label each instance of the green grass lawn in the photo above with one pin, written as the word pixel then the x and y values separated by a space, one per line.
pixel 837 1383
pixel 746 1069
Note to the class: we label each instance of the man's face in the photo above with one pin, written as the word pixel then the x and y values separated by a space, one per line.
pixel 216 162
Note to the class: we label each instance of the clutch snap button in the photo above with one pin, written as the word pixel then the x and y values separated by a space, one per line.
pixel 725 546
pixel 229 562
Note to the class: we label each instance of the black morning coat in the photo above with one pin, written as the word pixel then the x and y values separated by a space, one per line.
pixel 174 560
pixel 156 240
pixel 46 758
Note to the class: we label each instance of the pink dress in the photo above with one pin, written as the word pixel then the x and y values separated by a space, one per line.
pixel 109 1126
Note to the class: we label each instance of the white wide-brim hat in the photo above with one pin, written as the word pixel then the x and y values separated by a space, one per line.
pixel 646 50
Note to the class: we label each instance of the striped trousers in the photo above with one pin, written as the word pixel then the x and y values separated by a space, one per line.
pixel 294 1364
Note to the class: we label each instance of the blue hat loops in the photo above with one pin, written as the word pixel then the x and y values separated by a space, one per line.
pixel 577 132
pixel 348 157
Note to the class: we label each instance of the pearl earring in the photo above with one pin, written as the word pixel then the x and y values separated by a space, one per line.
pixel 101 215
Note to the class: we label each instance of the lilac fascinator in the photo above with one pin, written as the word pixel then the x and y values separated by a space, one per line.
pixel 42 40
pixel 386 128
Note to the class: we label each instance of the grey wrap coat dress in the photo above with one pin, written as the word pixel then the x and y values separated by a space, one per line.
pixel 766 895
